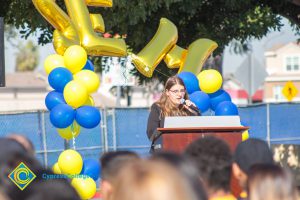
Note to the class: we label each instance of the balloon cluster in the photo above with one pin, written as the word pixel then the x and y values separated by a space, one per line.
pixel 204 90
pixel 83 173
pixel 73 79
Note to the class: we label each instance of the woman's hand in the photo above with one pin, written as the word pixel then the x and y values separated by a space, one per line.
pixel 189 103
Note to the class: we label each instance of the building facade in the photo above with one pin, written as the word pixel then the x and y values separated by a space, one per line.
pixel 282 65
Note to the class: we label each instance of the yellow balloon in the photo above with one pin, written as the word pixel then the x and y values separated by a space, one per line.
pixel 149 57
pixel 53 61
pixel 70 132
pixel 89 79
pixel 75 94
pixel 56 169
pixel 75 58
pixel 210 80
pixel 70 162
pixel 197 54
pixel 85 187
pixel 245 135
pixel 89 102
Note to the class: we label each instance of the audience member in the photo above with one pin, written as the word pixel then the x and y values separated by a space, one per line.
pixel 248 153
pixel 213 160
pixel 12 154
pixel 24 141
pixel 111 164
pixel 49 189
pixel 270 182
pixel 186 168
pixel 151 180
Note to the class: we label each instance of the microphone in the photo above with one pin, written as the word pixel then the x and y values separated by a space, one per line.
pixel 194 108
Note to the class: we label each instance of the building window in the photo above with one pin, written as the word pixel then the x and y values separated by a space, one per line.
pixel 277 92
pixel 292 63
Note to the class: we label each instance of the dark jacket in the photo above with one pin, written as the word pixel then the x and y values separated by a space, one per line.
pixel 156 121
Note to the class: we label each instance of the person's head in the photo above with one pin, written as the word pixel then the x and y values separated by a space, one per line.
pixel 186 168
pixel 248 153
pixel 24 141
pixel 213 160
pixel 3 196
pixel 151 180
pixel 12 154
pixel 47 189
pixel 270 182
pixel 111 163
pixel 170 100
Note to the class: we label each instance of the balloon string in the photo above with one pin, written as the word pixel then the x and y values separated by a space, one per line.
pixel 124 70
pixel 73 136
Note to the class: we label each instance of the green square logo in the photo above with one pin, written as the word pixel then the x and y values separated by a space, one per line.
pixel 22 176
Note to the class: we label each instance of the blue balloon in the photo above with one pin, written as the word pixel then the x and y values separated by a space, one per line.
pixel 89 65
pixel 201 100
pixel 226 108
pixel 190 81
pixel 91 168
pixel 218 97
pixel 54 98
pixel 62 116
pixel 59 77
pixel 88 116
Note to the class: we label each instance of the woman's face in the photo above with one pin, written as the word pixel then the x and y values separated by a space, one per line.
pixel 176 93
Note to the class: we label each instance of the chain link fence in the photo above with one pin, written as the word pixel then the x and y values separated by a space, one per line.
pixel 125 129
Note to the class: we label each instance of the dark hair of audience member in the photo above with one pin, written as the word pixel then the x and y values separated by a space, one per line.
pixel 49 189
pixel 24 141
pixel 270 182
pixel 112 161
pixel 213 160
pixel 151 180
pixel 186 168
pixel 12 154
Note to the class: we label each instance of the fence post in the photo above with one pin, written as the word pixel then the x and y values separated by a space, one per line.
pixel 103 125
pixel 42 130
pixel 114 131
pixel 268 125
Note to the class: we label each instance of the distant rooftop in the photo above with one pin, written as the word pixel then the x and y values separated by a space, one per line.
pixel 279 46
pixel 26 80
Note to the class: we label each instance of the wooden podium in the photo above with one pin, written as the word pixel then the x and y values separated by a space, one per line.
pixel 177 139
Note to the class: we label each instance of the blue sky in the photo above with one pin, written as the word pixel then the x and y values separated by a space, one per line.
pixel 230 63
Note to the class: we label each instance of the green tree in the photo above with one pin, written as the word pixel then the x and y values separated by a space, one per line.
pixel 221 21
pixel 27 57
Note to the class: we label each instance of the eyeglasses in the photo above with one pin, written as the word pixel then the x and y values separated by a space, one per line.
pixel 178 91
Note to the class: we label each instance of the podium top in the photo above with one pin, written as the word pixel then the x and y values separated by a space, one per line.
pixel 202 121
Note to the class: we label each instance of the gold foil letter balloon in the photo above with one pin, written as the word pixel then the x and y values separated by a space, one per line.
pixel 150 56
pixel 197 54
pixel 175 57
pixel 79 28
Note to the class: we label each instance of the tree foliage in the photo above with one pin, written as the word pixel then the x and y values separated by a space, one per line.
pixel 27 57
pixel 221 21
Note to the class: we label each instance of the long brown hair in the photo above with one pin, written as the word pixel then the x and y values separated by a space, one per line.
pixel 168 108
